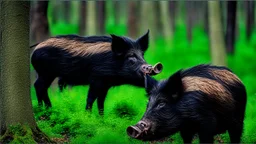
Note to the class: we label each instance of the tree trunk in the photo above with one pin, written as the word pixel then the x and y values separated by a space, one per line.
pixel 189 18
pixel 82 20
pixel 250 6
pixel 101 10
pixel 67 7
pixel 172 7
pixel 231 26
pixel 157 17
pixel 218 52
pixel 117 13
pixel 167 27
pixel 39 26
pixel 91 18
pixel 206 21
pixel 132 21
pixel 16 105
pixel 148 21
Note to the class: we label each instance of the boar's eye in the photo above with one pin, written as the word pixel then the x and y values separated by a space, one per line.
pixel 160 105
pixel 132 60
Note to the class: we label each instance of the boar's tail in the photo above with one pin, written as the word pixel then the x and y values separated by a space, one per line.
pixel 34 45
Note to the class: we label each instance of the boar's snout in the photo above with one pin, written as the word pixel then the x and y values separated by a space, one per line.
pixel 157 68
pixel 138 130
pixel 152 70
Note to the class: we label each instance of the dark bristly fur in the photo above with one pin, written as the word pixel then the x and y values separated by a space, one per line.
pixel 204 99
pixel 100 61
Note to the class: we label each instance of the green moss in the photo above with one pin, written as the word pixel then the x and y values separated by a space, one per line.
pixel 16 134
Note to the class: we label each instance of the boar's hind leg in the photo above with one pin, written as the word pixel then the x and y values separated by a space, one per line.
pixel 235 130
pixel 206 130
pixel 41 86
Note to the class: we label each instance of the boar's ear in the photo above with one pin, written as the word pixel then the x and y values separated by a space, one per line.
pixel 150 83
pixel 119 46
pixel 173 86
pixel 143 41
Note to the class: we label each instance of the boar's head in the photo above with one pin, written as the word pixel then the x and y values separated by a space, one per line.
pixel 162 117
pixel 129 55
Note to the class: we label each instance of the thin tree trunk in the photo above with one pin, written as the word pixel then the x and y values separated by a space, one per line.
pixel 132 21
pixel 190 23
pixel 101 6
pixel 206 21
pixel 165 21
pixel 218 52
pixel 117 13
pixel 231 26
pixel 16 105
pixel 39 26
pixel 82 20
pixel 67 7
pixel 172 11
pixel 91 18
pixel 250 14
pixel 157 13
pixel 148 21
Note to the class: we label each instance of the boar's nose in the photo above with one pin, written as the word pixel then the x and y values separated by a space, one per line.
pixel 157 68
pixel 137 130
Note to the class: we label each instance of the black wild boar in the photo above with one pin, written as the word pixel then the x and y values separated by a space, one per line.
pixel 100 61
pixel 204 99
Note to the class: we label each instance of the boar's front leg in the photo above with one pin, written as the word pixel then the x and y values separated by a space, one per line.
pixel 62 84
pixel 97 90
pixel 101 100
pixel 187 135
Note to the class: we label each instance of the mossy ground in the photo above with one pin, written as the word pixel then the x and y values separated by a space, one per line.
pixel 16 134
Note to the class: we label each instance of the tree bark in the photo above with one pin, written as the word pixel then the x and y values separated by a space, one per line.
pixel 101 6
pixel 16 105
pixel 167 27
pixel 91 18
pixel 218 52
pixel 250 6
pixel 231 26
pixel 82 20
pixel 132 21
pixel 39 26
